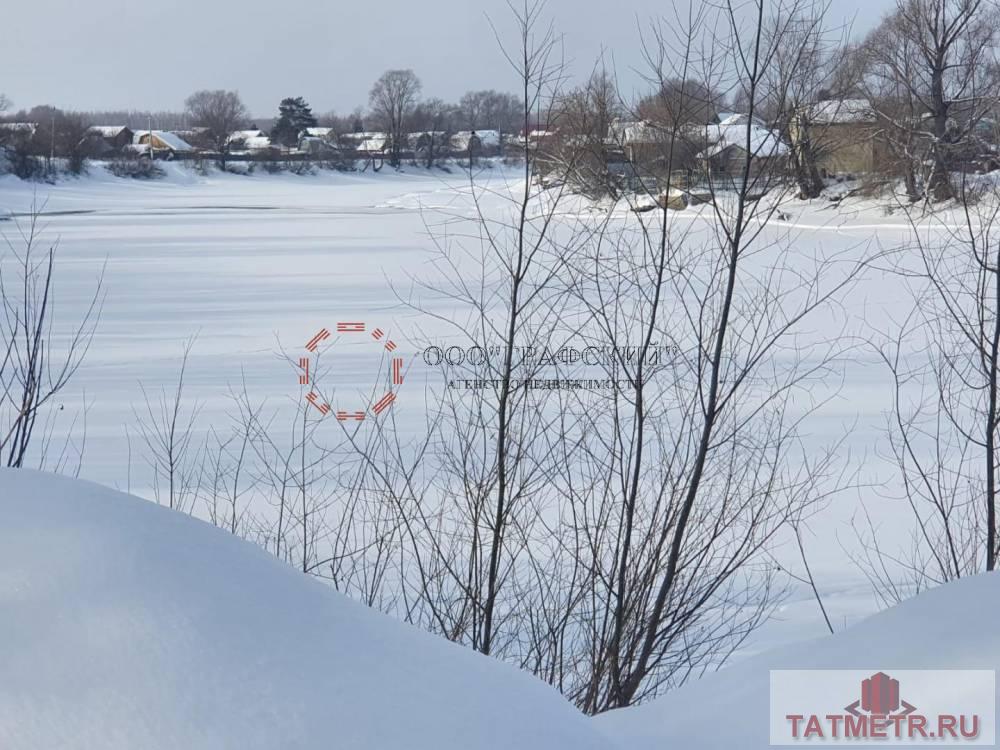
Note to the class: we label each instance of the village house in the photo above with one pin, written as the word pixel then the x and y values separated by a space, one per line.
pixel 197 137
pixel 253 139
pixel 427 145
pixel 161 144
pixel 327 134
pixel 476 142
pixel 641 152
pixel 736 139
pixel 539 138
pixel 843 134
pixel 423 140
pixel 19 127
pixel 366 144
pixel 637 141
pixel 107 140
pixel 17 132
pixel 316 145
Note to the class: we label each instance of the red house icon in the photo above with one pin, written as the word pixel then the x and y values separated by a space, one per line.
pixel 880 694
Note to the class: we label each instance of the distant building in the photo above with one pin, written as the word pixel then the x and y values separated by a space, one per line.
pixel 315 145
pixel 258 143
pixel 318 132
pixel 640 142
pixel 107 140
pixel 253 139
pixel 196 137
pixel 366 143
pixel 162 144
pixel 844 134
pixel 479 142
pixel 428 144
pixel 28 128
pixel 17 134
pixel 737 139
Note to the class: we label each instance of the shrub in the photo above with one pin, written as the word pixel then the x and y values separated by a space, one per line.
pixel 141 167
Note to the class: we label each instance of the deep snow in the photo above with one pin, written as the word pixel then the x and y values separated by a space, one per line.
pixel 125 625
pixel 950 627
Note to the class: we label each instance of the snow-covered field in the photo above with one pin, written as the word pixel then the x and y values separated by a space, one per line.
pixel 245 265
pixel 251 266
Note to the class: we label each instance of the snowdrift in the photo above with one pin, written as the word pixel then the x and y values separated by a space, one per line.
pixel 126 625
pixel 950 627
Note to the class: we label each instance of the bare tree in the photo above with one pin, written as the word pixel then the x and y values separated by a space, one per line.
pixel 944 361
pixel 615 542
pixel 392 99
pixel 681 101
pixel 71 140
pixel 489 109
pixel 808 65
pixel 467 495
pixel 168 434
pixel 221 112
pixel 692 465
pixel 38 359
pixel 233 483
pixel 584 118
pixel 933 65
pixel 433 124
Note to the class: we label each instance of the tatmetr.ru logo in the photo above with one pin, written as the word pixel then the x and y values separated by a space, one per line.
pixel 906 707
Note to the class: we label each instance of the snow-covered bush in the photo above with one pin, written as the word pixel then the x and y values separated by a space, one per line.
pixel 137 167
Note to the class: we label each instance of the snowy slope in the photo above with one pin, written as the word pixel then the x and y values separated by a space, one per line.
pixel 950 627
pixel 127 625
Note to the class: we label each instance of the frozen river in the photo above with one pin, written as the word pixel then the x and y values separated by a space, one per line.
pixel 253 266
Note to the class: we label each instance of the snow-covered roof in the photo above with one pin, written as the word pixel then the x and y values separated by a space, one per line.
pixel 368 141
pixel 363 135
pixel 242 135
pixel 107 131
pixel 412 139
pixel 735 118
pixel 318 132
pixel 841 111
pixel 20 127
pixel 487 139
pixel 373 145
pixel 317 143
pixel 632 132
pixel 732 132
pixel 172 141
pixel 257 143
pixel 460 140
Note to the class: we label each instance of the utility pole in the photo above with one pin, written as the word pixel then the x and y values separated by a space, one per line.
pixel 52 145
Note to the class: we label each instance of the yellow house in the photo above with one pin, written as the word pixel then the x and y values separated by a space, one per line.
pixel 843 134
pixel 162 142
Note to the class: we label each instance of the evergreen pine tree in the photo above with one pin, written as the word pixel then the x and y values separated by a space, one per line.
pixel 294 116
